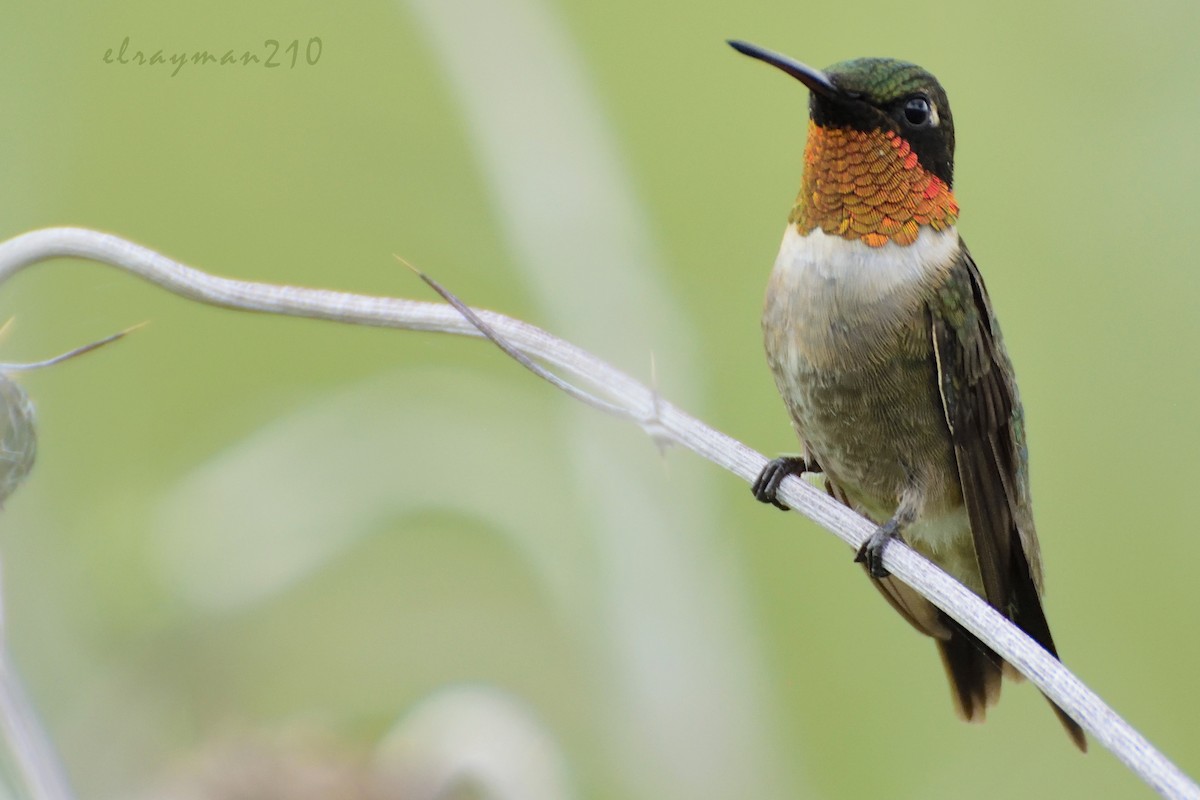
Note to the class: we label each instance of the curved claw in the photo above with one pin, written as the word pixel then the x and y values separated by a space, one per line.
pixel 766 486
pixel 870 555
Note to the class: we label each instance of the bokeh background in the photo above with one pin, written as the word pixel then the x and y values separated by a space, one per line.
pixel 283 554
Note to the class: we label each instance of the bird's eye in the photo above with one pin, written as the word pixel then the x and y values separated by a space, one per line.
pixel 917 111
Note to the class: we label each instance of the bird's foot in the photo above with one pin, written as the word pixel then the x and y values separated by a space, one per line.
pixel 767 484
pixel 870 554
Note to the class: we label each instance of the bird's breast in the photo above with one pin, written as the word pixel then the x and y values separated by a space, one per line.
pixel 848 339
pixel 832 300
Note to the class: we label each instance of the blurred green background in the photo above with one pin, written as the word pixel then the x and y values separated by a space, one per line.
pixel 256 543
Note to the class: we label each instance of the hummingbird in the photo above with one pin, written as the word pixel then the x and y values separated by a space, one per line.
pixel 884 346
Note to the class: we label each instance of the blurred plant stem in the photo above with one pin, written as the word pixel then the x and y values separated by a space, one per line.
pixel 37 771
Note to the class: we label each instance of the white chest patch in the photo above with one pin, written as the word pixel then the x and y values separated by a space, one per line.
pixel 831 299
pixel 855 268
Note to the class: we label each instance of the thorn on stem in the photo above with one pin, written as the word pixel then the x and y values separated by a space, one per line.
pixel 67 356
pixel 515 354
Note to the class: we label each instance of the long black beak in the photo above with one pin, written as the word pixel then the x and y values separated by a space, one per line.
pixel 814 79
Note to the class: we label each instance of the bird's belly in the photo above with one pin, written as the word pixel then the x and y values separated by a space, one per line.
pixel 848 340
pixel 877 432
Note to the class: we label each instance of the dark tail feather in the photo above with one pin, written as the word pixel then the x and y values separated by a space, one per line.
pixel 1073 730
pixel 1029 617
pixel 974 672
pixel 973 669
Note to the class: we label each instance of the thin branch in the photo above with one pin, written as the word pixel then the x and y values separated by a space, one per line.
pixel 653 413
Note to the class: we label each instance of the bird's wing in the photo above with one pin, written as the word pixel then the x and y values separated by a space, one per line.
pixel 987 427
pixel 983 413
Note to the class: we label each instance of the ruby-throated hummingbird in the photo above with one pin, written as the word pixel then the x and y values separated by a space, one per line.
pixel 884 346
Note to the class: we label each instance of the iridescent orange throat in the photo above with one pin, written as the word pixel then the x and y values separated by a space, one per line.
pixel 868 186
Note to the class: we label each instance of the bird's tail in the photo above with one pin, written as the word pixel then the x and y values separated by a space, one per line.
pixel 974 671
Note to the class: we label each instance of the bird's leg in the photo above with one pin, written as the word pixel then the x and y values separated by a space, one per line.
pixel 767 484
pixel 870 555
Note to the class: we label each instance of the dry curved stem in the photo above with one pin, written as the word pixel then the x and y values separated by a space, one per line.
pixel 658 417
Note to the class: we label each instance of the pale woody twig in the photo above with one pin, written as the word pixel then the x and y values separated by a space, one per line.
pixel 640 403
